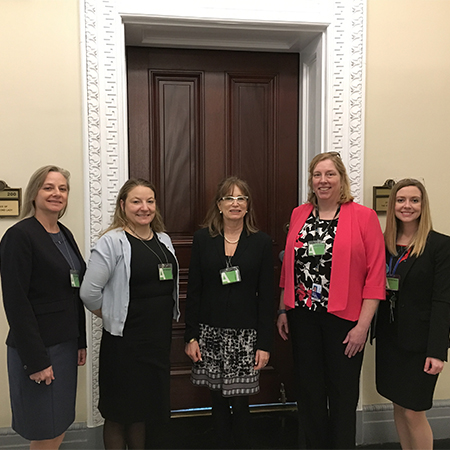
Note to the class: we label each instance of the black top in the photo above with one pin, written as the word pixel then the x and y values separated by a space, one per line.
pixel 145 258
pixel 41 306
pixel 246 304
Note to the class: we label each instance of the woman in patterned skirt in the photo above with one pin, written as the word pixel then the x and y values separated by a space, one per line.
pixel 229 309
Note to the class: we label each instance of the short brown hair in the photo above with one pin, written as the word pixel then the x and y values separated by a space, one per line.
pixel 214 220
pixel 335 158
pixel 35 183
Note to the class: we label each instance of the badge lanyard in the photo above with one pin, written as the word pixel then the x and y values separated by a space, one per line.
pixel 231 274
pixel 74 274
pixel 317 248
pixel 393 280
pixel 164 269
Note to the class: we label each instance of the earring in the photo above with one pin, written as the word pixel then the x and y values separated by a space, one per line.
pixel 220 211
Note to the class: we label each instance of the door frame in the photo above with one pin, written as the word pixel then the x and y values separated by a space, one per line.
pixel 338 102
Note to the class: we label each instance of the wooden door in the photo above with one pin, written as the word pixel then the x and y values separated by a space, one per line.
pixel 194 118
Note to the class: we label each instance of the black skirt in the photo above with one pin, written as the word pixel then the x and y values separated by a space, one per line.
pixel 134 372
pixel 399 373
pixel 41 411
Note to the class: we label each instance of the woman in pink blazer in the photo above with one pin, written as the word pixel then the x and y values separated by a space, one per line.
pixel 332 279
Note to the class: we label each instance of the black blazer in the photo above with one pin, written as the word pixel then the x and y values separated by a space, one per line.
pixel 41 306
pixel 247 304
pixel 423 304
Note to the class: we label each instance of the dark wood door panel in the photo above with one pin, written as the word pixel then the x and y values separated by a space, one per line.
pixel 194 118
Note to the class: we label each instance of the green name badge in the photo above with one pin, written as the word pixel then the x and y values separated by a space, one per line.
pixel 393 283
pixel 316 248
pixel 230 275
pixel 165 272
pixel 74 278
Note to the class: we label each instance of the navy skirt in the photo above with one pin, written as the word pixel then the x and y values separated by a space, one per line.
pixel 39 411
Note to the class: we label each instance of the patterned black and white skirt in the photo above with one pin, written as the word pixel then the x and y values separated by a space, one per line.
pixel 228 358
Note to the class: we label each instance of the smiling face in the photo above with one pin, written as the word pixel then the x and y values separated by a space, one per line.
pixel 52 196
pixel 233 210
pixel 326 182
pixel 139 207
pixel 408 204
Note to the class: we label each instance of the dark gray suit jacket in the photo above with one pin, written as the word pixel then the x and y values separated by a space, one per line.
pixel 41 306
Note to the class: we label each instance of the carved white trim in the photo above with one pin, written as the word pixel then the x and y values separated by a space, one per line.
pixel 105 124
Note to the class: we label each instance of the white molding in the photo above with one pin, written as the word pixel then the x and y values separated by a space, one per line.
pixel 106 152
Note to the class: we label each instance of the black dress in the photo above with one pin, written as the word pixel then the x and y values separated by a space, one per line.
pixel 399 372
pixel 134 373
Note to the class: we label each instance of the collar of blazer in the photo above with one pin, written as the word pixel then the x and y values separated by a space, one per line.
pixel 219 243
pixel 44 237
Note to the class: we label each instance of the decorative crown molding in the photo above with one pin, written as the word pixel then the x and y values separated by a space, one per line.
pixel 106 152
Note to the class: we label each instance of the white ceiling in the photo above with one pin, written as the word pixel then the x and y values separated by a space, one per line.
pixel 225 35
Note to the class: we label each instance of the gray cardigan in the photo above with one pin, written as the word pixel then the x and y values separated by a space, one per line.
pixel 106 282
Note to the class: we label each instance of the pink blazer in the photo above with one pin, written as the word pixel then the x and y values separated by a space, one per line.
pixel 358 268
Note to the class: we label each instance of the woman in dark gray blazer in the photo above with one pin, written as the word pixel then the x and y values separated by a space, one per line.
pixel 41 269
pixel 412 334
pixel 229 309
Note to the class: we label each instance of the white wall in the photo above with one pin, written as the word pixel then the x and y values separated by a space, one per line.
pixel 40 118
pixel 408 113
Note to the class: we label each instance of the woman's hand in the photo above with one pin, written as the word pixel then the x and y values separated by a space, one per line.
pixel 192 349
pixel 283 327
pixel 261 359
pixel 356 337
pixel 433 366
pixel 81 356
pixel 44 375
pixel 355 340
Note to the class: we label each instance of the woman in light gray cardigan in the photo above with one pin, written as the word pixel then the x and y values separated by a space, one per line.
pixel 132 283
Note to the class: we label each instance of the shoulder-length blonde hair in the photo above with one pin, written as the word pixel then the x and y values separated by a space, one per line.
pixel 37 180
pixel 120 219
pixel 335 158
pixel 214 220
pixel 393 225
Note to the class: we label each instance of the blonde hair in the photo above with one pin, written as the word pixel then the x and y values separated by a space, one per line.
pixel 214 220
pixel 120 219
pixel 35 183
pixel 345 192
pixel 393 225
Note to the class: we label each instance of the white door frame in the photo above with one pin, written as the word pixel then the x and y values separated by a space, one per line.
pixel 341 109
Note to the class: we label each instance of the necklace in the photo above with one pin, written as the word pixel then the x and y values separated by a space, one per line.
pixel 230 242
pixel 140 237
pixel 157 242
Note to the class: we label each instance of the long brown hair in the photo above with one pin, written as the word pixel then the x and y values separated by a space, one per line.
pixel 393 225
pixel 37 180
pixel 214 220
pixel 120 219
pixel 335 158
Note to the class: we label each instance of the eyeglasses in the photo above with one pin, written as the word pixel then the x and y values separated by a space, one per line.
pixel 231 199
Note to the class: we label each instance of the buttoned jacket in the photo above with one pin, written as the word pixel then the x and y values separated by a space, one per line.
pixel 42 308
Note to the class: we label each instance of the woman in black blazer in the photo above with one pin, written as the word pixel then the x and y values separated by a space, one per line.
pixel 413 324
pixel 41 269
pixel 229 314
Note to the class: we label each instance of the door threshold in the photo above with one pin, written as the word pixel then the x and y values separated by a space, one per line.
pixel 262 408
